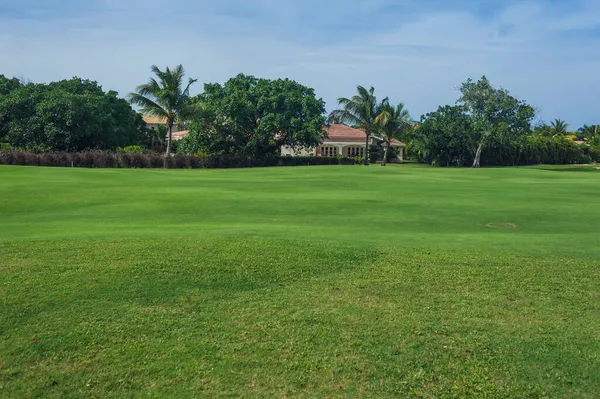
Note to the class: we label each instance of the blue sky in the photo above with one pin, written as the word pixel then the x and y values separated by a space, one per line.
pixel 415 51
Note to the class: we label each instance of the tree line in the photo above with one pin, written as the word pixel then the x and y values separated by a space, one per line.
pixel 251 117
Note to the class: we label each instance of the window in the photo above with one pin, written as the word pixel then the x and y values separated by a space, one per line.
pixel 329 151
pixel 356 152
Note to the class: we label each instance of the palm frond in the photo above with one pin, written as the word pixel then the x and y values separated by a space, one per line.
pixel 147 105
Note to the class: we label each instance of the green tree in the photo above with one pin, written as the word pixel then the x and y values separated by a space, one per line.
pixel 360 111
pixel 445 137
pixel 165 96
pixel 255 117
pixel 543 130
pixel 6 86
pixel 495 114
pixel 392 123
pixel 559 127
pixel 68 115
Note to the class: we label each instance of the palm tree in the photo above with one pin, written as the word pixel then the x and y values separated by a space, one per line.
pixel 361 111
pixel 559 127
pixel 392 123
pixel 589 133
pixel 165 97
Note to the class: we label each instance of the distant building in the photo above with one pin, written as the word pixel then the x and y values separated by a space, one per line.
pixel 345 141
pixel 153 122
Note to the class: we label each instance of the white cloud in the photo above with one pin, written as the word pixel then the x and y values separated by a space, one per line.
pixel 419 58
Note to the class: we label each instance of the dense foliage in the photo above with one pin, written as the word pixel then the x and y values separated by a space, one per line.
pixel 445 137
pixel 254 117
pixel 490 127
pixel 495 116
pixel 70 115
pixel 448 137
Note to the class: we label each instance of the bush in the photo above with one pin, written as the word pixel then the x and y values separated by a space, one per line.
pixel 106 159
pixel 594 153
pixel 133 149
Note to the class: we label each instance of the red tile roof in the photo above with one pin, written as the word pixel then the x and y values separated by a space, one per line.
pixel 339 133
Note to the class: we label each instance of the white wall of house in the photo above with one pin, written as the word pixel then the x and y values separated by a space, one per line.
pixel 298 152
pixel 334 149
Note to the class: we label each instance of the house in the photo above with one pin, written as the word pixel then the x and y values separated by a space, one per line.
pixel 153 122
pixel 345 141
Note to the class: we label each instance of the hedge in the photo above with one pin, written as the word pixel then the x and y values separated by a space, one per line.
pixel 107 159
pixel 531 150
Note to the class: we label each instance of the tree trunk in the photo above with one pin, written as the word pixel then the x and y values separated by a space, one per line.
pixel 385 154
pixel 478 156
pixel 367 150
pixel 169 139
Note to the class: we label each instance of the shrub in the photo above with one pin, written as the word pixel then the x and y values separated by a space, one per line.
pixel 106 159
pixel 133 149
pixel 594 153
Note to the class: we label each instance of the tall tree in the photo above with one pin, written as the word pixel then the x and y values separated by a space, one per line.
pixel 6 86
pixel 166 97
pixel 255 117
pixel 360 111
pixel 559 127
pixel 495 114
pixel 445 137
pixel 392 123
pixel 69 115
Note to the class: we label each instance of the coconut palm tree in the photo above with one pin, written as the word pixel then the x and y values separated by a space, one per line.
pixel 361 111
pixel 165 97
pixel 559 127
pixel 589 133
pixel 392 123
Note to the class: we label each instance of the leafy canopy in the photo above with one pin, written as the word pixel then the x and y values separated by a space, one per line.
pixel 392 122
pixel 69 115
pixel 484 120
pixel 255 117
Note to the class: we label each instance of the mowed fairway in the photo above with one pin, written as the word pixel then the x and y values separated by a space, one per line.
pixel 300 282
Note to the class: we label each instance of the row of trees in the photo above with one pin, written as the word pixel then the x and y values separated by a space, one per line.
pixel 253 118
pixel 246 116
pixel 490 126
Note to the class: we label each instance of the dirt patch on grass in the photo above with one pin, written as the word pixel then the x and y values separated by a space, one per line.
pixel 495 225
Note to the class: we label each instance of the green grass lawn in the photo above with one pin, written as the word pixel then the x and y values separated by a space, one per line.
pixel 300 282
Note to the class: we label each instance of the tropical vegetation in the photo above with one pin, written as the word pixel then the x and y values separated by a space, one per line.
pixel 167 98
pixel 252 118
pixel 360 111
pixel 392 124
pixel 70 115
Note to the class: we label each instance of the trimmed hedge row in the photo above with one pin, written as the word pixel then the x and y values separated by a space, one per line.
pixel 107 159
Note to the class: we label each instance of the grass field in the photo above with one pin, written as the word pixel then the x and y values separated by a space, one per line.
pixel 300 282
